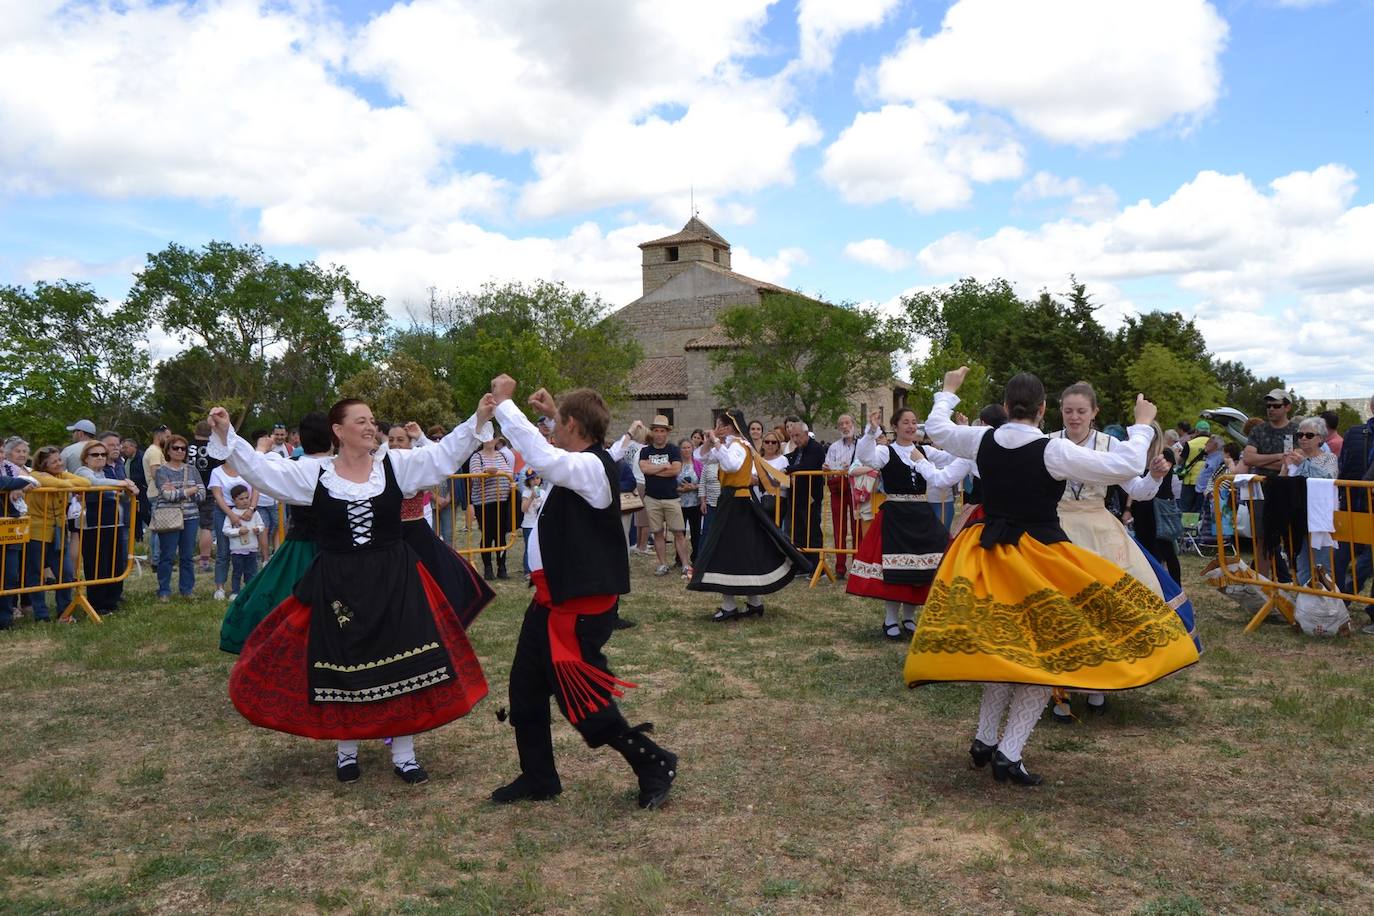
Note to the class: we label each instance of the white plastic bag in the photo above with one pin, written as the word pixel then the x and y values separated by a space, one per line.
pixel 1322 615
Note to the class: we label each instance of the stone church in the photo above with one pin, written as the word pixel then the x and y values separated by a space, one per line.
pixel 687 281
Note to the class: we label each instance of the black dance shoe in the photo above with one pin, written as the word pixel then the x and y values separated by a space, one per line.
pixel 981 753
pixel 1015 770
pixel 655 767
pixel 522 789
pixel 621 623
pixel 1063 718
pixel 892 632
pixel 412 776
pixel 751 610
pixel 1100 709
pixel 722 615
pixel 349 772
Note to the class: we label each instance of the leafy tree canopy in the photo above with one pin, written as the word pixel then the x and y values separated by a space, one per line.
pixel 67 354
pixel 1181 388
pixel 400 388
pixel 794 355
pixel 275 336
pixel 544 334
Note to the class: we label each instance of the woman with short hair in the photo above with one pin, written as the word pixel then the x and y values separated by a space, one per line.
pixel 1308 460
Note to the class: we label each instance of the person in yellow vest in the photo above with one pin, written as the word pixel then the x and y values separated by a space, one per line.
pixel 1194 457
pixel 744 552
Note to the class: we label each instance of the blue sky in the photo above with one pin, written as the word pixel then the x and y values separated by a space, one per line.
pixel 1210 158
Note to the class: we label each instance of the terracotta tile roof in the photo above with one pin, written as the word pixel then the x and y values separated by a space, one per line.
pixel 660 377
pixel 714 339
pixel 694 231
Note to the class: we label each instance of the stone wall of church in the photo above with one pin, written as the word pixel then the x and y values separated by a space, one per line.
pixel 665 328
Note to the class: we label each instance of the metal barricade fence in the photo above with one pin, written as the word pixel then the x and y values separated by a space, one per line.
pixel 494 516
pixel 814 493
pixel 1237 506
pixel 53 549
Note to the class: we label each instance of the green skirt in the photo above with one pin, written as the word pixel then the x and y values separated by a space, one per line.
pixel 270 587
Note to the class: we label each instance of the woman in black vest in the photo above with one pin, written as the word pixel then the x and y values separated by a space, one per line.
pixel 367 645
pixel 579 568
pixel 1018 607
pixel 898 557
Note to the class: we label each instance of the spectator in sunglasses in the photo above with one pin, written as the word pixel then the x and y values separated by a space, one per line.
pixel 1309 460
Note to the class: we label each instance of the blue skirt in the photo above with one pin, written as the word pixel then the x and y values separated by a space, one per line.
pixel 1174 596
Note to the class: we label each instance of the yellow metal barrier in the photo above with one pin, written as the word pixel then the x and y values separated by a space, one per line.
pixel 50 543
pixel 1242 500
pixel 505 515
pixel 815 487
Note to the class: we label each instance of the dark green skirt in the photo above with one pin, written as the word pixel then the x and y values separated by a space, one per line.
pixel 270 587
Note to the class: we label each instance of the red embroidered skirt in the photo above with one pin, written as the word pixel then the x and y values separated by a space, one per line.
pixel 270 683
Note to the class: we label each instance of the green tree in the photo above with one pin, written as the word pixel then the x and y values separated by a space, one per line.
pixel 544 334
pixel 792 354
pixel 927 377
pixel 65 354
pixel 1241 389
pixel 247 311
pixel 1179 387
pixel 400 388
pixel 974 312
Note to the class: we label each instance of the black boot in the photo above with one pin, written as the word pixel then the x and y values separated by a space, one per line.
pixel 501 566
pixel 538 779
pixel 655 767
pixel 1015 770
pixel 486 566
pixel 981 753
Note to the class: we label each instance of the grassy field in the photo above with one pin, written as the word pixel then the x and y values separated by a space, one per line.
pixel 811 781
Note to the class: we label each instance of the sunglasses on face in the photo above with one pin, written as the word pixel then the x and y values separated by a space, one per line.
pixel 1271 405
pixel 177 448
pixel 96 455
pixel 1307 435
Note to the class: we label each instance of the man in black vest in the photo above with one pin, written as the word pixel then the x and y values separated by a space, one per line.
pixel 579 569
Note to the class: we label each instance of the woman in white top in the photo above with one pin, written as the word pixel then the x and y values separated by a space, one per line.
pixel 1015 605
pixel 897 559
pixel 367 646
pixel 1083 509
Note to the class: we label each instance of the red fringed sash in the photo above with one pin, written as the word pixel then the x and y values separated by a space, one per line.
pixel 578 681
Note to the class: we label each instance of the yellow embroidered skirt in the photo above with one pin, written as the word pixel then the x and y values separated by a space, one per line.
pixel 1089 525
pixel 1051 614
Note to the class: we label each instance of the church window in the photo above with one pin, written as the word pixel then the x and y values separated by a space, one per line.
pixel 671 253
pixel 666 412
pixel 715 255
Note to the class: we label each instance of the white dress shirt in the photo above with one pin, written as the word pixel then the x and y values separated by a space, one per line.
pixel 294 481
pixel 871 454
pixel 1063 459
pixel 581 472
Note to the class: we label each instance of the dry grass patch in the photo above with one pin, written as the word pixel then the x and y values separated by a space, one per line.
pixel 812 782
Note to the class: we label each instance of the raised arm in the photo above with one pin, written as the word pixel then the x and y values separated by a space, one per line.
pixel 730 455
pixel 1122 465
pixel 869 452
pixel 418 468
pixel 959 441
pixel 291 481
pixel 581 472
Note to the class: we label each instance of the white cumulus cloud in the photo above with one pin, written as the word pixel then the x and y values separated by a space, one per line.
pixel 879 253
pixel 926 154
pixel 823 23
pixel 1278 275
pixel 1074 71
pixel 1083 201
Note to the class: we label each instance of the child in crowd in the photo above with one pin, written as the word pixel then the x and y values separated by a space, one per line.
pixel 243 540
pixel 531 498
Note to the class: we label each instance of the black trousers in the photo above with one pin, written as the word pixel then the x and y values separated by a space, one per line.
pixel 532 683
pixel 693 516
pixel 494 519
pixel 104 554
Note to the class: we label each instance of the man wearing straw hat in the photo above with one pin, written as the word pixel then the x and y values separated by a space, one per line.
pixel 661 462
